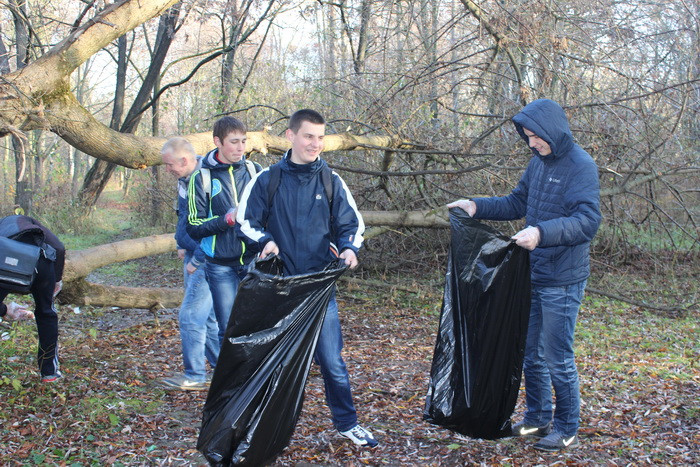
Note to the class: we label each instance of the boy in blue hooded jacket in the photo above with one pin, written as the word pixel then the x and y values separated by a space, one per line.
pixel 308 230
pixel 559 197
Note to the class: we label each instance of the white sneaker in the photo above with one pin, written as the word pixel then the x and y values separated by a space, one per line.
pixel 360 436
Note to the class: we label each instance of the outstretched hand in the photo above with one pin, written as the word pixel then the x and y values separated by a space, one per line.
pixel 467 205
pixel 18 312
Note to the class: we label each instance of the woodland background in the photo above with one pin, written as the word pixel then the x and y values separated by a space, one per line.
pixel 418 96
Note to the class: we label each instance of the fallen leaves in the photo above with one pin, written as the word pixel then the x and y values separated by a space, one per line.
pixel 639 380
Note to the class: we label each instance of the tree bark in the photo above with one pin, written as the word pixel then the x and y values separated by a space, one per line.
pixel 38 96
pixel 82 292
pixel 100 173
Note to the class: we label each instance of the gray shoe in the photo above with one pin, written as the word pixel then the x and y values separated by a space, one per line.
pixel 555 441
pixel 524 429
pixel 181 382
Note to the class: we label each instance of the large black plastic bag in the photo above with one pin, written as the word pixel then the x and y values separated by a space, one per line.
pixel 257 390
pixel 475 376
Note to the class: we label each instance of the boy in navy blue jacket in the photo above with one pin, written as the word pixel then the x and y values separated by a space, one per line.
pixel 213 195
pixel 308 231
pixel 199 331
pixel 559 197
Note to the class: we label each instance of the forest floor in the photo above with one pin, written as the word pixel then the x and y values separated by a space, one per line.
pixel 639 381
pixel 639 371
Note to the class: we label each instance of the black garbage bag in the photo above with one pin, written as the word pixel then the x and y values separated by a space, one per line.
pixel 478 359
pixel 257 390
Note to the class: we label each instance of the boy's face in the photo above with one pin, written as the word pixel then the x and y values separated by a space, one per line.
pixel 307 142
pixel 537 143
pixel 232 147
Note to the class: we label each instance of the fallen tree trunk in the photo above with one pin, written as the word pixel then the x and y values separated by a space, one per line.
pixel 80 263
pixel 82 292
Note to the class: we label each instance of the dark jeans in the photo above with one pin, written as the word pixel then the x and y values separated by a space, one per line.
pixel 45 315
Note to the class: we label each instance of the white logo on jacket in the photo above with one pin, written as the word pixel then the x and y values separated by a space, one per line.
pixel 554 180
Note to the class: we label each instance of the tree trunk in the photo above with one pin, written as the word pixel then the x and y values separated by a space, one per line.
pixel 23 192
pixel 100 173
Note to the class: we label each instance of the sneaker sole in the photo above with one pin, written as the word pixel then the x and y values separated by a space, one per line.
pixel 184 388
pixel 555 448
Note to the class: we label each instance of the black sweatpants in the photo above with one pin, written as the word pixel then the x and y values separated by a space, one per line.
pixel 45 315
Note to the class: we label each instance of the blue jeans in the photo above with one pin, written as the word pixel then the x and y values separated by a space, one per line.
pixel 223 283
pixel 198 328
pixel 549 358
pixel 335 374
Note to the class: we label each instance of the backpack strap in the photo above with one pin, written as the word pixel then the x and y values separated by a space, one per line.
pixel 327 180
pixel 206 180
pixel 274 183
pixel 252 170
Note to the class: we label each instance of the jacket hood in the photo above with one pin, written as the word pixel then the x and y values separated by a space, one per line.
pixel 546 119
pixel 211 162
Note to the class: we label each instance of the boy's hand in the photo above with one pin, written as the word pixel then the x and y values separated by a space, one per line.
pixel 17 312
pixel 527 238
pixel 181 253
pixel 191 268
pixel 270 248
pixel 467 205
pixel 350 258
pixel 231 216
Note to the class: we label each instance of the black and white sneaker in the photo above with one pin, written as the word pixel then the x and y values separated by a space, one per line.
pixel 556 442
pixel 360 436
pixel 524 429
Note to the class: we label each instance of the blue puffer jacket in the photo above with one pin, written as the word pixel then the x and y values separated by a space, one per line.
pixel 206 220
pixel 299 219
pixel 182 238
pixel 558 193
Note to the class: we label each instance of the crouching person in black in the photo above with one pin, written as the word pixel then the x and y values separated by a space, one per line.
pixel 46 285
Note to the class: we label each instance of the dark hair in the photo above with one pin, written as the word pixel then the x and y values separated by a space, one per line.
pixel 226 125
pixel 305 115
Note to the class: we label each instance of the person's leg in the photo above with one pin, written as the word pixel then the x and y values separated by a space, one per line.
pixel 46 317
pixel 334 371
pixel 538 386
pixel 560 307
pixel 223 283
pixel 211 348
pixel 194 315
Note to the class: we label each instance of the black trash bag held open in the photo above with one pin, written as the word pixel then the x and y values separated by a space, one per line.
pixel 477 364
pixel 257 390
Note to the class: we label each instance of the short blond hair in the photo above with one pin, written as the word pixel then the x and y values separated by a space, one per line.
pixel 179 146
